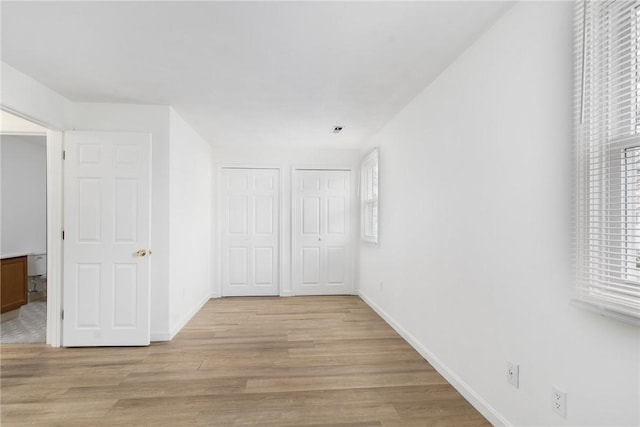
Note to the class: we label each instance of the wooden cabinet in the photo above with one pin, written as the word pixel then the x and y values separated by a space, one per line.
pixel 13 283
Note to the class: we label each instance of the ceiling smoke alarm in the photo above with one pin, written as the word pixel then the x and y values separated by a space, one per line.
pixel 337 129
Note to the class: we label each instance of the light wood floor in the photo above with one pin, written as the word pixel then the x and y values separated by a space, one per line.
pixel 301 361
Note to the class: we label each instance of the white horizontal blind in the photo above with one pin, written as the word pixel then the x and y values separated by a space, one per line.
pixel 369 197
pixel 608 156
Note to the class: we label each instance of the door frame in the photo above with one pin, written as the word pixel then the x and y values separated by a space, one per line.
pixel 54 226
pixel 354 220
pixel 217 252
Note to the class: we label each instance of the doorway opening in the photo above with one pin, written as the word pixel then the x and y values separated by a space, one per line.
pixel 23 177
pixel 31 228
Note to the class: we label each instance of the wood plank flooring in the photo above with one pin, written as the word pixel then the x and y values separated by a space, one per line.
pixel 300 361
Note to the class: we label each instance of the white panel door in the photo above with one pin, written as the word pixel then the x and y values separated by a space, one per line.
pixel 106 239
pixel 250 231
pixel 321 227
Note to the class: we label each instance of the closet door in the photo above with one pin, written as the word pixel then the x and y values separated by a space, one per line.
pixel 250 244
pixel 322 257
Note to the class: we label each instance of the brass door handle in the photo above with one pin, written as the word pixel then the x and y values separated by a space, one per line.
pixel 141 252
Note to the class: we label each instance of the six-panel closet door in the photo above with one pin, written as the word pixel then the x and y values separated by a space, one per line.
pixel 250 231
pixel 321 218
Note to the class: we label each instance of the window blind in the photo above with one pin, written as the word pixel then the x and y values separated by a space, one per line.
pixel 607 75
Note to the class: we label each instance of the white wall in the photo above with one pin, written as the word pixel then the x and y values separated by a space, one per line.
pixel 28 97
pixel 190 212
pixel 152 119
pixel 287 160
pixel 474 264
pixel 23 173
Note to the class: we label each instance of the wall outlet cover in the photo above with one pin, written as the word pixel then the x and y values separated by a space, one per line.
pixel 513 374
pixel 559 401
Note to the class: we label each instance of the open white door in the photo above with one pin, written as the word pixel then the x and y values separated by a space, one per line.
pixel 321 231
pixel 106 239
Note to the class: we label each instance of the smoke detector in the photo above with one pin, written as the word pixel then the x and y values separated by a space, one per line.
pixel 337 129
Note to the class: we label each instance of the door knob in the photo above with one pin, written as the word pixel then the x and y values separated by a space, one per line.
pixel 141 252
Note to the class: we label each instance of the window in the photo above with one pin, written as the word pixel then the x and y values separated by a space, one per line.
pixel 608 157
pixel 369 197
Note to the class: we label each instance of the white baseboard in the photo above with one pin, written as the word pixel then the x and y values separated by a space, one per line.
pixel 463 388
pixel 164 336
pixel 185 319
pixel 286 293
pixel 160 336
pixel 215 295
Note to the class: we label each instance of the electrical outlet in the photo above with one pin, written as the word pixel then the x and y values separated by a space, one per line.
pixel 513 374
pixel 559 402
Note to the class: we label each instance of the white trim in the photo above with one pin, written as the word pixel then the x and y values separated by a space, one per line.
pixel 322 168
pixel 217 230
pixel 25 133
pixel 31 119
pixel 494 417
pixel 605 312
pixel 281 213
pixel 217 279
pixel 187 317
pixel 168 336
pixel 54 237
pixel 292 183
pixel 160 336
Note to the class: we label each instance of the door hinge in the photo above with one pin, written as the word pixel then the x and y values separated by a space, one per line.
pixel 62 234
pixel 62 314
pixel 64 154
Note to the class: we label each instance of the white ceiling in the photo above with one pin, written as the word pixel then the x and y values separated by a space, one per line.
pixel 252 73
